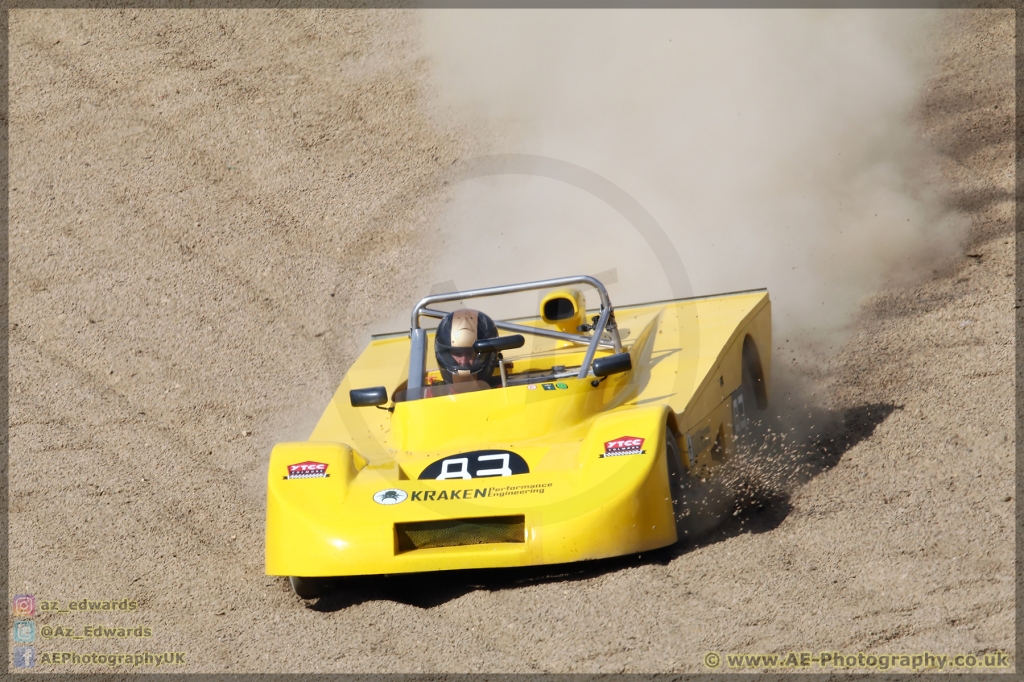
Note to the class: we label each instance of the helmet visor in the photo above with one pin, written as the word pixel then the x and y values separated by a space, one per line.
pixel 464 358
pixel 460 359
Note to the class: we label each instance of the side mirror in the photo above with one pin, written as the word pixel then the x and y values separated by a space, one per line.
pixel 368 397
pixel 613 364
pixel 499 344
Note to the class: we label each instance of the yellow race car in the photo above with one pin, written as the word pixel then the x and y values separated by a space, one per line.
pixel 585 436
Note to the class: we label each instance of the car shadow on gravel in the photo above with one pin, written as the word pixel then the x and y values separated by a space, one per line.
pixel 756 510
pixel 759 510
pixel 427 590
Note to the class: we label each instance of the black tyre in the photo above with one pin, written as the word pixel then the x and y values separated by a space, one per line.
pixel 753 377
pixel 676 483
pixel 308 588
pixel 697 503
pixel 748 414
pixel 748 391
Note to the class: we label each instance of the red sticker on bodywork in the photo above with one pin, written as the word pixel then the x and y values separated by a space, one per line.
pixel 307 470
pixel 624 445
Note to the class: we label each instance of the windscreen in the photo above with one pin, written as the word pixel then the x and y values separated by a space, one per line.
pixel 439 390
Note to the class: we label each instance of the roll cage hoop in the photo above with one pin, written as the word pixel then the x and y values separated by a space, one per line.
pixel 606 320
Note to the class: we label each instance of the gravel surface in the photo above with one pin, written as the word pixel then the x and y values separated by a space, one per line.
pixel 210 210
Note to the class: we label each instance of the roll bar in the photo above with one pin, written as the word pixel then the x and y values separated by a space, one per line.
pixel 418 335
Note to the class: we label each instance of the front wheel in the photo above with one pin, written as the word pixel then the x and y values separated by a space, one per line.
pixel 308 588
pixel 698 504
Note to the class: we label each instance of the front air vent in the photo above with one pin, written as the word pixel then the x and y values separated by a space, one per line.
pixel 459 532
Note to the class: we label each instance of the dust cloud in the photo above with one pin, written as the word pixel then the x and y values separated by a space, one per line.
pixel 775 148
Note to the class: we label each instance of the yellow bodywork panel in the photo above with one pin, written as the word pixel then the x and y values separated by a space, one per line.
pixel 541 472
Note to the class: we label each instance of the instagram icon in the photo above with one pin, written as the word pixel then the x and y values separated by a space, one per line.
pixel 24 605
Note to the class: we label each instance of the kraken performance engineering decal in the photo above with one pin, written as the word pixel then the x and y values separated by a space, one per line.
pixel 472 494
pixel 397 495
pixel 476 464
pixel 623 445
pixel 307 470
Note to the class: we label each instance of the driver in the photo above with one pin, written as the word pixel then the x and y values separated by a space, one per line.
pixel 453 347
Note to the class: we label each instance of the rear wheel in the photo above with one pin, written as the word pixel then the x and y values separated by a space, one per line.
pixel 308 588
pixel 749 405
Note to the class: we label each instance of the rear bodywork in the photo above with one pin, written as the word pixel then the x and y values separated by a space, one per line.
pixel 536 473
